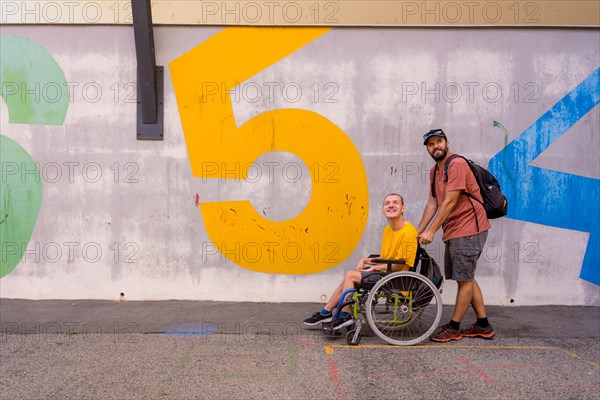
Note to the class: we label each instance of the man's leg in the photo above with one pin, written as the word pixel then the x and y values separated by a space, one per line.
pixel 477 301
pixel 451 331
pixel 335 298
pixel 351 280
pixel 464 298
pixel 481 328
pixel 454 266
pixel 464 254
pixel 325 315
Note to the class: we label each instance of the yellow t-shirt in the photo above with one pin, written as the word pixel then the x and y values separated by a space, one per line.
pixel 401 244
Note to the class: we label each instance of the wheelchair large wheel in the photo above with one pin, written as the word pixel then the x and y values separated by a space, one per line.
pixel 404 308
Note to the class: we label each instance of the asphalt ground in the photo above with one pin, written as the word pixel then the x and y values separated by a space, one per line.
pixel 217 350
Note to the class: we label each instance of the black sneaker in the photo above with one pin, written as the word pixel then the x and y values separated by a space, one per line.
pixel 342 322
pixel 318 318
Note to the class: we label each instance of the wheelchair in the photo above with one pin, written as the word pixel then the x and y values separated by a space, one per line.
pixel 402 308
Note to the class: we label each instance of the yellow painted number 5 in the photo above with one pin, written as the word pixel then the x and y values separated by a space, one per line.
pixel 329 228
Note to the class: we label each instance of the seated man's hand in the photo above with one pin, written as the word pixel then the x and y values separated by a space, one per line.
pixel 363 264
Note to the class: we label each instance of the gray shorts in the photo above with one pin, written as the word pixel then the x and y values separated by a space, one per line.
pixel 460 258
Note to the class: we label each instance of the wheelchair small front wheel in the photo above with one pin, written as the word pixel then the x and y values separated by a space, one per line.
pixel 353 338
pixel 404 308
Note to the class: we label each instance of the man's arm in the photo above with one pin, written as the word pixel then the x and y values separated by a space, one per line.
pixel 361 264
pixel 445 209
pixel 383 267
pixel 428 214
pixel 367 264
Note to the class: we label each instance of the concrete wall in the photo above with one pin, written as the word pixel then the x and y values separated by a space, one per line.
pixel 271 192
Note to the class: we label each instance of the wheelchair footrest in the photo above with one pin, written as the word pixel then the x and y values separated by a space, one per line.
pixel 329 331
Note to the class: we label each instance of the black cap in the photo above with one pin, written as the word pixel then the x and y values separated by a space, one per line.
pixel 433 132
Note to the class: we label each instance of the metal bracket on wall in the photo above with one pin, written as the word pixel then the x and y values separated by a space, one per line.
pixel 150 78
pixel 151 130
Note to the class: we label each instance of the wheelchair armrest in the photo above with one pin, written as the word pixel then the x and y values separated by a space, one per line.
pixel 388 262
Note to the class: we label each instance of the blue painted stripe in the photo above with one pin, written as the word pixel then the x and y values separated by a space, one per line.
pixel 549 197
pixel 196 329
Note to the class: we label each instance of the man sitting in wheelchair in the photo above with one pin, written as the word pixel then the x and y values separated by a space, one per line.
pixel 399 242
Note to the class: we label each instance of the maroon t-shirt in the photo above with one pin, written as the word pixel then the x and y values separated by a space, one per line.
pixel 461 220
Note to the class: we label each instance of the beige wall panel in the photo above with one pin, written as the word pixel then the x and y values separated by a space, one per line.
pixel 584 13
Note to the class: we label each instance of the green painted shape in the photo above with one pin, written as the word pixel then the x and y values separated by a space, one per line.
pixel 31 82
pixel 20 200
pixel 35 91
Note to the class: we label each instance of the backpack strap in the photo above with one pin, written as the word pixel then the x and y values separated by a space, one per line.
pixel 469 162
pixel 453 156
pixel 469 195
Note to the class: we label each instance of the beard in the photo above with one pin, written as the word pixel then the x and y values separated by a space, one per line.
pixel 439 156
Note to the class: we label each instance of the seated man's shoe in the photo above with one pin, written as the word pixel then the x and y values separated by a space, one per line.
pixel 475 330
pixel 318 318
pixel 445 334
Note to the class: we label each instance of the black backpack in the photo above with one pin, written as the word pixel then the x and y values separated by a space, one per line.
pixel 422 295
pixel 494 202
pixel 430 268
